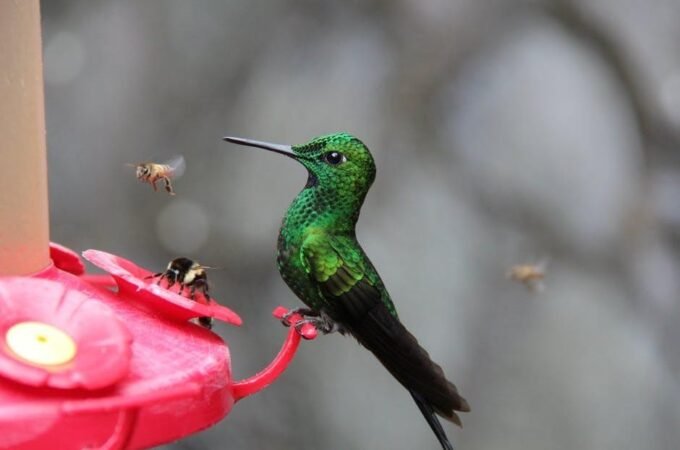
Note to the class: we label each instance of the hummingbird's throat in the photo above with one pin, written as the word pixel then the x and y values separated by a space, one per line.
pixel 319 207
pixel 312 180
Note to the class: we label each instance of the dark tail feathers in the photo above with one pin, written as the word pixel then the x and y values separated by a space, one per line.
pixel 429 414
pixel 399 351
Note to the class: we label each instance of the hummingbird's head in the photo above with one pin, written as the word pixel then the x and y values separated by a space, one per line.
pixel 335 161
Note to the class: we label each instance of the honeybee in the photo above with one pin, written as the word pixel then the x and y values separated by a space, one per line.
pixel 151 172
pixel 188 274
pixel 530 275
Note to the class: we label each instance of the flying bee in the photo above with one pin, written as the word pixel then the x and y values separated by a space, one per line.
pixel 188 274
pixel 151 172
pixel 530 275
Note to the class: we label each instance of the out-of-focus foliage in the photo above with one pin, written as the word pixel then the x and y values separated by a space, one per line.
pixel 504 133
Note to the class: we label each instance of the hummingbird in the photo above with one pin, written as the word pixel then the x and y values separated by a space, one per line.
pixel 320 259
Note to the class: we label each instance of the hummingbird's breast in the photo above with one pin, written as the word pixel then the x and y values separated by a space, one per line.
pixel 312 210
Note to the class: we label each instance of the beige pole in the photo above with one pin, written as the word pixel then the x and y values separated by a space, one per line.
pixel 24 226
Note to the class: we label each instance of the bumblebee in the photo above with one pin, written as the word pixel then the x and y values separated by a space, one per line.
pixel 190 275
pixel 150 172
pixel 530 275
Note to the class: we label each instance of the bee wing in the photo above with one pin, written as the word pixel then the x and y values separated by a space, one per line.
pixel 177 166
pixel 538 286
pixel 542 264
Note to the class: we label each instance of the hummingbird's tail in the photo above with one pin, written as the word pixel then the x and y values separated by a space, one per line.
pixel 429 414
pixel 401 354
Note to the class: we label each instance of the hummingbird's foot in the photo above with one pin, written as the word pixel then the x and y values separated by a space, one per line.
pixel 304 312
pixel 322 322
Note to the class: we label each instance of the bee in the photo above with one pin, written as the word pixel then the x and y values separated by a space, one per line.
pixel 151 172
pixel 188 274
pixel 530 275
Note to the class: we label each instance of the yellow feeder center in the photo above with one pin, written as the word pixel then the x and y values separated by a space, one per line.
pixel 41 344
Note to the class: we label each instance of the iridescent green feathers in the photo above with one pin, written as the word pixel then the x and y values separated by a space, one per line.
pixel 344 185
pixel 336 141
pixel 348 283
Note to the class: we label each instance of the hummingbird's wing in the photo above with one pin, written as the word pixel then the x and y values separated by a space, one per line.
pixel 354 296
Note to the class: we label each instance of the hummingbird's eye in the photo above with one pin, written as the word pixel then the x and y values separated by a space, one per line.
pixel 334 158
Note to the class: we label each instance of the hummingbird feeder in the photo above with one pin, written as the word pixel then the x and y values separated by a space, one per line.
pixel 93 361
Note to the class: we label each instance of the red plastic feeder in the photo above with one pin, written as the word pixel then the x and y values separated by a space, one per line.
pixel 86 367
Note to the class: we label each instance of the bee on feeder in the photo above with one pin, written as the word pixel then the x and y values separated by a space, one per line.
pixel 188 274
pixel 151 172
pixel 530 275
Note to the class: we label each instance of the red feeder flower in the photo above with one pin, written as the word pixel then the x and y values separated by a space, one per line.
pixel 66 259
pixel 59 341
pixel 136 280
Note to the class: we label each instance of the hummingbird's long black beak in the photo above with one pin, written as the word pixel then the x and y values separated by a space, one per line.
pixel 278 148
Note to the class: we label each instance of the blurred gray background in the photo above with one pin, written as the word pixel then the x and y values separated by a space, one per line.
pixel 504 132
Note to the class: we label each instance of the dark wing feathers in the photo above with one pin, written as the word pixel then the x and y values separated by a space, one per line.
pixel 354 301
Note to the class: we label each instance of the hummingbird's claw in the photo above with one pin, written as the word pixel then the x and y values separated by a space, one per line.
pixel 297 319
pixel 304 312
pixel 320 322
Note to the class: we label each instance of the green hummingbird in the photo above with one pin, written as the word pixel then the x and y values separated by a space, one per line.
pixel 322 262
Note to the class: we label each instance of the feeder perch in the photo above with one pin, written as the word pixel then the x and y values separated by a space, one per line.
pixel 91 361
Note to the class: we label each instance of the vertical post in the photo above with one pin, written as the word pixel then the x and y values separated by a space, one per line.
pixel 24 227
